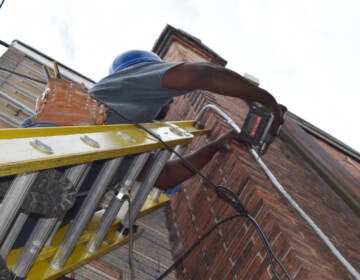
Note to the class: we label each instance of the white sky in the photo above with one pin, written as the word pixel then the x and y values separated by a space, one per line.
pixel 306 53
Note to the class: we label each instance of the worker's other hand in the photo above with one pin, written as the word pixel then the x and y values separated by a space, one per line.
pixel 279 120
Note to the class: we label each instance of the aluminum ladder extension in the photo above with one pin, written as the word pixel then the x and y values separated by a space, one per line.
pixel 54 249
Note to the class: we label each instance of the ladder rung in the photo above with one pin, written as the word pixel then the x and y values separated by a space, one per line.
pixel 41 268
pixel 115 204
pixel 85 212
pixel 145 187
pixel 33 246
pixel 43 228
pixel 51 246
pixel 13 199
pixel 13 234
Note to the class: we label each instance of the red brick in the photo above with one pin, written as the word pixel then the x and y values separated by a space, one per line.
pixel 291 238
pixel 237 179
pixel 250 270
pixel 245 253
pixel 214 251
pixel 256 270
pixel 201 270
pixel 302 275
pixel 223 268
pixel 291 262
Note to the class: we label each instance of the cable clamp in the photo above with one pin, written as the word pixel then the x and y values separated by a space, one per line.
pixel 123 195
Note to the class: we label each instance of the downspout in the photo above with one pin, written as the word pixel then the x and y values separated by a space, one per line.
pixel 287 196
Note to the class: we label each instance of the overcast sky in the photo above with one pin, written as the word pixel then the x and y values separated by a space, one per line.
pixel 306 53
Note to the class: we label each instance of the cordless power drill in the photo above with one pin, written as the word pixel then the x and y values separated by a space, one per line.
pixel 255 130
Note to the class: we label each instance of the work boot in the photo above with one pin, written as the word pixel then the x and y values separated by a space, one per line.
pixel 51 194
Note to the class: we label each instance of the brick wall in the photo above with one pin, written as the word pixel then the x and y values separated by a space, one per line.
pixel 234 250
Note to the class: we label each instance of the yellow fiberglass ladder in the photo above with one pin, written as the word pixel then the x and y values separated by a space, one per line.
pixel 55 248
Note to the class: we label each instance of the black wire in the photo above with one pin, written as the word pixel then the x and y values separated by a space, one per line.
pixel 225 194
pixel 185 162
pixel 209 231
pixel 269 250
pixel 197 243
pixel 2 2
pixel 22 75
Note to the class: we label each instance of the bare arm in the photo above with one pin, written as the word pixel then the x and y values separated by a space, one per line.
pixel 191 76
pixel 176 172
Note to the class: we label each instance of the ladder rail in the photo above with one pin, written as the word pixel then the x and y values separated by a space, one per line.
pixel 82 145
pixel 43 148
pixel 44 228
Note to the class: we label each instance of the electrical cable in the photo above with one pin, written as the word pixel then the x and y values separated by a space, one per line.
pixel 23 76
pixel 1 4
pixel 209 231
pixel 197 243
pixel 269 250
pixel 225 194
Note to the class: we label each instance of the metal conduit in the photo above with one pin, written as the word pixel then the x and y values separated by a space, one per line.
pixel 281 189
pixel 302 213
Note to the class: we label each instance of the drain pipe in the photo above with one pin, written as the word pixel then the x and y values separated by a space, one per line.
pixel 281 189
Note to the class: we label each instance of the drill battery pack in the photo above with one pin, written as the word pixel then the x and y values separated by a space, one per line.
pixel 256 125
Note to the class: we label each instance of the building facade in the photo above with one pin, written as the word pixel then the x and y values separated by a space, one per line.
pixel 317 172
pixel 309 211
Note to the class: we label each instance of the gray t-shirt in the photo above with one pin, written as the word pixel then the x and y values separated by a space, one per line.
pixel 136 92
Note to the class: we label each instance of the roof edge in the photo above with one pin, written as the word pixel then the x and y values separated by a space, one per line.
pixel 44 59
pixel 326 137
pixel 337 177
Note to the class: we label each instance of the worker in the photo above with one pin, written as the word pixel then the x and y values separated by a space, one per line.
pixel 140 86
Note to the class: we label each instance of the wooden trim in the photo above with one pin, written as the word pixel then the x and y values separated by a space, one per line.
pixel 317 132
pixel 338 178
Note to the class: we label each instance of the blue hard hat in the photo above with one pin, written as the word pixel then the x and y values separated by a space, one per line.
pixel 132 57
